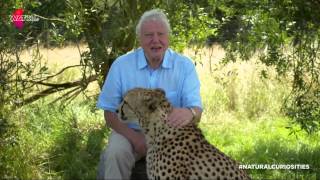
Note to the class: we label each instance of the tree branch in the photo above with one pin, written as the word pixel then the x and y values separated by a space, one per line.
pixel 83 83
pixel 50 19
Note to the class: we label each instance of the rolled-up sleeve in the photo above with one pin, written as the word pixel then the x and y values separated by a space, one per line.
pixel 191 87
pixel 110 95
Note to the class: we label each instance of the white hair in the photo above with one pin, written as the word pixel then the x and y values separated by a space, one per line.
pixel 154 15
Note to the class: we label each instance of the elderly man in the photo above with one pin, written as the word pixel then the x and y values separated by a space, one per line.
pixel 154 65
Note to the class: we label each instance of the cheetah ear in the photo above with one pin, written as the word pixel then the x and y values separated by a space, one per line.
pixel 152 106
pixel 160 91
pixel 152 103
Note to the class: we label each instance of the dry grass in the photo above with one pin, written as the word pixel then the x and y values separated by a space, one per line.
pixel 61 57
pixel 214 77
pixel 58 58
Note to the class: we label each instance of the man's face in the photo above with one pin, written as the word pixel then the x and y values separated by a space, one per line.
pixel 154 39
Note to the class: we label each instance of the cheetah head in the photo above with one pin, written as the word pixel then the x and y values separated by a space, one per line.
pixel 142 104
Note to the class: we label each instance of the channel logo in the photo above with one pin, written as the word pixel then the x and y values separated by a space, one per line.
pixel 18 18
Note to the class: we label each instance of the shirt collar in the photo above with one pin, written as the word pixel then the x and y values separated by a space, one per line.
pixel 167 60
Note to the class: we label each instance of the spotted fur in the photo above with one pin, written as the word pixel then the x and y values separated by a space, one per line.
pixel 175 153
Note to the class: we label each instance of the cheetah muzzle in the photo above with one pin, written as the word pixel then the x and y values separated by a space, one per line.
pixel 175 153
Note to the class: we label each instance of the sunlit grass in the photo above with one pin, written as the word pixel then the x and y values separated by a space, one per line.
pixel 57 141
pixel 265 142
pixel 242 117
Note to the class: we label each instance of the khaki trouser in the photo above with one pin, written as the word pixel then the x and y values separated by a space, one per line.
pixel 118 159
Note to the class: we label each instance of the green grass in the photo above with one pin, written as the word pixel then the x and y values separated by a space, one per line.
pixel 241 117
pixel 266 142
pixel 56 142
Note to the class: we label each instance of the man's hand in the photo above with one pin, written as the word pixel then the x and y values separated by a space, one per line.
pixel 179 117
pixel 139 144
pixel 137 139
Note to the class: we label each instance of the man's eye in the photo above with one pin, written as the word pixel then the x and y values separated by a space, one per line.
pixel 148 35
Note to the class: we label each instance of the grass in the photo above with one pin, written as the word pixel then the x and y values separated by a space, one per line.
pixel 266 142
pixel 241 117
pixel 58 142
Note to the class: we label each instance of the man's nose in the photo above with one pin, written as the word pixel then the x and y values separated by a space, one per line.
pixel 155 38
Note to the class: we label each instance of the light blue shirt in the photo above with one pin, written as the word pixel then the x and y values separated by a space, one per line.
pixel 176 76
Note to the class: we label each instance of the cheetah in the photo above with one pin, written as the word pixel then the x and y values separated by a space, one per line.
pixel 175 153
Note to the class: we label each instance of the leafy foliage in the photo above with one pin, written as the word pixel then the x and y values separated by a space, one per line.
pixel 285 35
pixel 108 29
